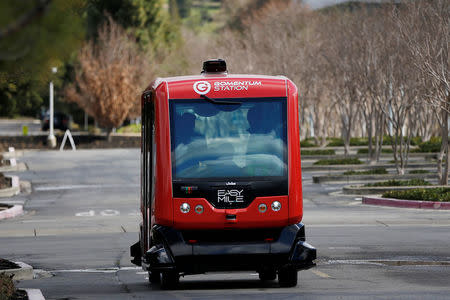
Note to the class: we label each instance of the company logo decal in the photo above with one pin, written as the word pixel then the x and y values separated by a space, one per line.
pixel 234 85
pixel 202 87
pixel 230 196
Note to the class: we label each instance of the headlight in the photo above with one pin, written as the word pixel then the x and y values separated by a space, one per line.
pixel 185 208
pixel 276 206
pixel 199 209
pixel 262 208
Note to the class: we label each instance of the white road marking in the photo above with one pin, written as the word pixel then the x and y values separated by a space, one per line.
pixel 109 213
pixel 90 213
pixel 99 270
pixel 321 274
pixel 82 186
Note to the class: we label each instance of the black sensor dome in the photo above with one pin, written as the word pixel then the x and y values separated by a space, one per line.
pixel 214 66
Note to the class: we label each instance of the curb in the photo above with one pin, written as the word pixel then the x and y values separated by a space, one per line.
pixel 12 212
pixel 332 168
pixel 382 177
pixel 13 190
pixel 34 294
pixel 375 190
pixel 405 203
pixel 25 272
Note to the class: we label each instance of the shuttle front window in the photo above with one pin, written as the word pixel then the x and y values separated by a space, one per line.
pixel 229 140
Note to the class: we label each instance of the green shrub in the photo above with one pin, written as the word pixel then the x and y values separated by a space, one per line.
pixel 394 182
pixel 419 172
pixel 435 194
pixel 416 141
pixel 368 172
pixel 433 145
pixel 132 128
pixel 335 142
pixel 339 161
pixel 318 152
pixel 365 151
pixel 308 142
pixel 359 141
pixel 7 288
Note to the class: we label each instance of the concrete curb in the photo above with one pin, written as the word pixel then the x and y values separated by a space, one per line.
pixel 34 294
pixel 13 190
pixel 426 156
pixel 362 167
pixel 376 190
pixel 405 203
pixel 381 177
pixel 12 212
pixel 13 168
pixel 25 272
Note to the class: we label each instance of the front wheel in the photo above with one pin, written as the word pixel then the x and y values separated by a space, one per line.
pixel 268 274
pixel 154 277
pixel 287 277
pixel 169 280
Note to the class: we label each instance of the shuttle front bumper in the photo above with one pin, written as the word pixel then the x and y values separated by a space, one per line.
pixel 173 251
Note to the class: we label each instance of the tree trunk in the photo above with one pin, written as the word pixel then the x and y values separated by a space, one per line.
pixel 108 135
pixel 443 174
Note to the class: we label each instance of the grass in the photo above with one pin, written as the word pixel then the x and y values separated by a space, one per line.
pixel 308 142
pixel 318 152
pixel 435 194
pixel 377 171
pixel 132 128
pixel 365 151
pixel 338 161
pixel 412 182
pixel 419 172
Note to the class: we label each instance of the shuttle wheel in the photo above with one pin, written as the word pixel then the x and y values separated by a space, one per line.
pixel 268 274
pixel 154 277
pixel 287 277
pixel 169 280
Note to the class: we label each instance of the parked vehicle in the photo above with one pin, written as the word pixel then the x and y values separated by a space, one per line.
pixel 61 121
pixel 221 184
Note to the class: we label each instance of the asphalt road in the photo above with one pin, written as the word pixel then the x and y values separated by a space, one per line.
pixel 14 126
pixel 82 216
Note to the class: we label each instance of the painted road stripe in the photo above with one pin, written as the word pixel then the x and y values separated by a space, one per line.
pixel 321 274
pixel 82 186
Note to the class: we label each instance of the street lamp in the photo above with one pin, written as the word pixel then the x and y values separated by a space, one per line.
pixel 51 139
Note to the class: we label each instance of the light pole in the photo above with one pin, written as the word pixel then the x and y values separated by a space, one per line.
pixel 51 139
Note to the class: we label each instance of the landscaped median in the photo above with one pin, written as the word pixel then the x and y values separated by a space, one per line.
pixel 385 186
pixel 429 197
pixel 10 271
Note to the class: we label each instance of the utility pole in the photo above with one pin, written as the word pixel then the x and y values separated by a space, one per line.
pixel 51 139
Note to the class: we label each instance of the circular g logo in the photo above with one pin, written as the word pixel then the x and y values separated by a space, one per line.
pixel 202 87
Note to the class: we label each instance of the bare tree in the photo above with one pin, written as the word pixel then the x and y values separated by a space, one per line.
pixel 109 77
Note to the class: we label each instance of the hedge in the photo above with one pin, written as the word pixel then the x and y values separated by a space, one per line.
pixel 412 182
pixel 440 194
pixel 368 172
pixel 318 152
pixel 365 151
pixel 339 161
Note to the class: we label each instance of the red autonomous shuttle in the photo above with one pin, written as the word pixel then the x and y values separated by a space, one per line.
pixel 221 184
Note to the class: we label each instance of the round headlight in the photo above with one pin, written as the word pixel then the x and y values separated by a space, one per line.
pixel 262 208
pixel 276 206
pixel 199 209
pixel 185 208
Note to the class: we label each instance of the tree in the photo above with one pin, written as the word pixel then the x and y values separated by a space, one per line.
pixel 425 26
pixel 147 20
pixel 109 77
pixel 33 42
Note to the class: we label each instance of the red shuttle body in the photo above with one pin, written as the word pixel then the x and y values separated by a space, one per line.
pixel 221 177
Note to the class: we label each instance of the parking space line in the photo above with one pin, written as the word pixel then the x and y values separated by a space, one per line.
pixel 321 274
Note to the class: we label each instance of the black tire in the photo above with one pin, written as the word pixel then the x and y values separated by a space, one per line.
pixel 169 280
pixel 267 274
pixel 287 277
pixel 154 277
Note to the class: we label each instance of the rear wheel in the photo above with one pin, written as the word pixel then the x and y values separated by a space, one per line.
pixel 154 277
pixel 169 280
pixel 287 277
pixel 268 274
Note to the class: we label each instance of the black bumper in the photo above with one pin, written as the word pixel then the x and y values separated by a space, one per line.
pixel 172 252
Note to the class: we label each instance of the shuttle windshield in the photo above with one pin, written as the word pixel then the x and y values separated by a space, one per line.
pixel 242 140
